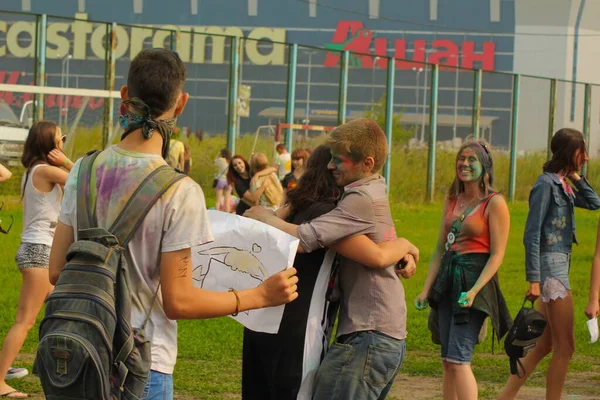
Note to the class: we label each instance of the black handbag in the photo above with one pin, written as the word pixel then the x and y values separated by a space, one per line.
pixel 527 328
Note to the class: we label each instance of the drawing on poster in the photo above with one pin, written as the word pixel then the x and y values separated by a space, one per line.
pixel 242 255
pixel 243 261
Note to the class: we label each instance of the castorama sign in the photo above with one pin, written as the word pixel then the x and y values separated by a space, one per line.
pixel 467 33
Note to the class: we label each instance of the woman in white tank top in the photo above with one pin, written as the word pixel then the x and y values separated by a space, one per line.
pixel 46 172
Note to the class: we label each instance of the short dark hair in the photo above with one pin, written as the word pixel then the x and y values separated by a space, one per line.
pixel 156 76
pixel 225 153
pixel 564 144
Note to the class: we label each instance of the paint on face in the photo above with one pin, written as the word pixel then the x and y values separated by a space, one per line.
pixel 239 166
pixel 468 166
pixel 344 170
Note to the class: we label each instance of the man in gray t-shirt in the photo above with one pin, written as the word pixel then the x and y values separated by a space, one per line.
pixel 369 349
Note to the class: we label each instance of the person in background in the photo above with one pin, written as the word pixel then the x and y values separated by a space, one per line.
pixel 299 158
pixel 462 282
pixel 46 171
pixel 238 176
pixel 272 197
pixel 283 161
pixel 12 373
pixel 548 239
pixel 5 174
pixel 175 157
pixel 187 159
pixel 222 188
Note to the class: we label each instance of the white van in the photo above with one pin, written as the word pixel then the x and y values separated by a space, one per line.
pixel 13 133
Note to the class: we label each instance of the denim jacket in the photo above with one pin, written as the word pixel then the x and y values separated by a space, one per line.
pixel 550 223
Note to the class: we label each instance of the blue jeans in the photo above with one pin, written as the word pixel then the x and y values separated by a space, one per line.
pixel 361 365
pixel 158 387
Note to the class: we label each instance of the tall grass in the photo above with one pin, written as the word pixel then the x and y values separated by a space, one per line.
pixel 408 166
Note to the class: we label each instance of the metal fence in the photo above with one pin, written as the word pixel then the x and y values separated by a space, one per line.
pixel 424 108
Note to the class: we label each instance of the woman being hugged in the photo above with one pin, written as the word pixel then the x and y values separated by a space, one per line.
pixel 238 176
pixel 462 282
pixel 549 236
pixel 42 192
pixel 272 197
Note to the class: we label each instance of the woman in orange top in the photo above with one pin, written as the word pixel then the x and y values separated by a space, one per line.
pixel 462 285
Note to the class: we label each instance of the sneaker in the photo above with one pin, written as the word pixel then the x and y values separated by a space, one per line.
pixel 16 373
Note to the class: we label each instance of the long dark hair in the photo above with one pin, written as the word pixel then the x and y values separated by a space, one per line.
pixel 40 141
pixel 564 144
pixel 482 149
pixel 317 185
pixel 232 175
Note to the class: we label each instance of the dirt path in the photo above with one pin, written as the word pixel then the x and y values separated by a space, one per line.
pixel 579 386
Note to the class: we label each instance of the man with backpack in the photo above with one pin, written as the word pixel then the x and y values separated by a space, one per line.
pixel 157 253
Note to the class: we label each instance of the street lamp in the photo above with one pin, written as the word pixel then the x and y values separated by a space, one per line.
pixel 417 87
pixel 373 80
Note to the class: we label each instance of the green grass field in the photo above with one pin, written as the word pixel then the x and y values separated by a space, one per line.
pixel 209 362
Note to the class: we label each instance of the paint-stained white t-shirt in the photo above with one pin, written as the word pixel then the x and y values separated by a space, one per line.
pixel 177 221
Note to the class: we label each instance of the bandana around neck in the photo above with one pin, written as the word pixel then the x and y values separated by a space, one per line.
pixel 135 114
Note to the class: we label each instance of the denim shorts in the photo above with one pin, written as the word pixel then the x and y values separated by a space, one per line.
pixel 33 255
pixel 555 265
pixel 458 340
pixel 158 387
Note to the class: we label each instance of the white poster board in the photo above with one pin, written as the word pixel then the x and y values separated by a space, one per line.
pixel 244 253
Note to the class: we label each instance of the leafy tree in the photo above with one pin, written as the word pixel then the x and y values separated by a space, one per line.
pixel 400 135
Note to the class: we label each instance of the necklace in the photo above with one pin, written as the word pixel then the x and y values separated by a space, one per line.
pixel 463 201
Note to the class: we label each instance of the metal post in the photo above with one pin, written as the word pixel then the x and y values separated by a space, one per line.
pixel 433 109
pixel 389 117
pixel 512 177
pixel 456 98
pixel 291 94
pixel 587 111
pixel 66 97
pixel 551 117
pixel 425 66
pixel 417 90
pixel 476 103
pixel 234 73
pixel 306 120
pixel 109 82
pixel 343 92
pixel 41 65
pixel 373 80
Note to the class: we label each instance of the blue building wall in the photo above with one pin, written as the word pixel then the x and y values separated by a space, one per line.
pixel 457 21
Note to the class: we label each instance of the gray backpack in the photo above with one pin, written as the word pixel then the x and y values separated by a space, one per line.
pixel 88 348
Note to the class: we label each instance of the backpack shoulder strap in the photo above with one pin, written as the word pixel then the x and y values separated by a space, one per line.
pixel 86 217
pixel 145 196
